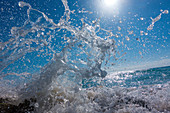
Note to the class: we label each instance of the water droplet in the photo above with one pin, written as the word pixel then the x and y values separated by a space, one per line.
pixel 165 12
pixel 141 18
pixel 36 105
pixel 119 28
pixel 127 38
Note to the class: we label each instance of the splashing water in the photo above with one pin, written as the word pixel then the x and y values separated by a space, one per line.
pixel 79 54
pixel 150 27
pixel 82 54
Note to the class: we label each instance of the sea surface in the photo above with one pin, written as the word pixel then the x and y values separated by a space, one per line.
pixel 65 66
pixel 144 91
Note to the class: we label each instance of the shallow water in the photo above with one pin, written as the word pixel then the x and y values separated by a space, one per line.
pixel 73 73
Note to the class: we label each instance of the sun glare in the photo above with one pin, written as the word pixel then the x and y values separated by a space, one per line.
pixel 110 2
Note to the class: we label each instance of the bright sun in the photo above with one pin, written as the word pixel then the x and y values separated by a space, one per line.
pixel 110 2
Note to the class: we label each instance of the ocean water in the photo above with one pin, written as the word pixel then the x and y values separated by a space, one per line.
pixel 67 65
pixel 133 78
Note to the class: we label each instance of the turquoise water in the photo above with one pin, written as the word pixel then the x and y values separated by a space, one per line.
pixel 73 57
pixel 151 76
pixel 137 78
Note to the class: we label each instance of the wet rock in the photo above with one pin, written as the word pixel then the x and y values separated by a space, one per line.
pixel 24 107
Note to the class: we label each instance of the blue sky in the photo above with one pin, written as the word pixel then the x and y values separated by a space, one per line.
pixel 127 19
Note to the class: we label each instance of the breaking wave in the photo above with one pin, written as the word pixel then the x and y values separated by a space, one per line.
pixel 75 78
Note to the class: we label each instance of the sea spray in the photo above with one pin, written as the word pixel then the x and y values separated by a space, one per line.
pixel 150 27
pixel 82 53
